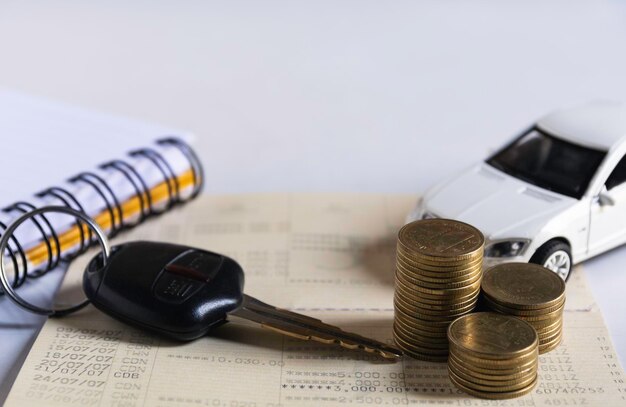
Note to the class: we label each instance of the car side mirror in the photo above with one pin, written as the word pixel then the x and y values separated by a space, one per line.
pixel 605 199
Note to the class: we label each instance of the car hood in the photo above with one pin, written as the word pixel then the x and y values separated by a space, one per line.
pixel 500 205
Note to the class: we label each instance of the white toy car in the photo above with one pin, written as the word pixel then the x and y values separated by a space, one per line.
pixel 556 195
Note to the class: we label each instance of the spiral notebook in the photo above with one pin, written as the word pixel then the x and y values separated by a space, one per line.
pixel 120 171
pixel 118 192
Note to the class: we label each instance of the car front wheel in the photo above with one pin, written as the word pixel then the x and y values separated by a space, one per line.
pixel 556 256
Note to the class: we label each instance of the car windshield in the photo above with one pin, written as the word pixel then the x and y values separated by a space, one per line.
pixel 549 162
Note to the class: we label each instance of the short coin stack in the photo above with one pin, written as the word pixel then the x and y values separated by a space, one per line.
pixel 493 356
pixel 438 272
pixel 530 292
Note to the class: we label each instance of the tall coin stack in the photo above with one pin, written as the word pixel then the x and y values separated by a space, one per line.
pixel 493 356
pixel 530 292
pixel 438 273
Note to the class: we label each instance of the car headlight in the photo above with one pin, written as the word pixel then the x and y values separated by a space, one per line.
pixel 506 248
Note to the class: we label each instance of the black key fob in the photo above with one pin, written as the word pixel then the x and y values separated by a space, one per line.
pixel 175 290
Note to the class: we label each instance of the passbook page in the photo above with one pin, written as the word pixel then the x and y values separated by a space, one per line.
pixel 327 256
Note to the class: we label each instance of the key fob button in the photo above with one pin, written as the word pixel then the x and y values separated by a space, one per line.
pixel 194 265
pixel 174 288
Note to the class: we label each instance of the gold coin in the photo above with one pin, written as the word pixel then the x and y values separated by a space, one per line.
pixel 549 339
pixel 497 365
pixel 429 318
pixel 410 291
pixel 442 306
pixel 435 327
pixel 492 388
pixel 423 357
pixel 436 266
pixel 412 280
pixel 407 326
pixel 492 336
pixel 424 331
pixel 543 334
pixel 491 369
pixel 546 323
pixel 437 239
pixel 547 347
pixel 414 306
pixel 524 314
pixel 406 343
pixel 491 376
pixel 438 299
pixel 489 391
pixel 495 396
pixel 442 277
pixel 421 275
pixel 417 311
pixel 417 258
pixel 521 312
pixel 442 273
pixel 438 270
pixel 435 336
pixel 550 316
pixel 440 355
pixel 473 360
pixel 445 296
pixel 544 339
pixel 423 341
pixel 440 284
pixel 451 292
pixel 439 325
pixel 509 384
pixel 449 251
pixel 523 285
pixel 428 304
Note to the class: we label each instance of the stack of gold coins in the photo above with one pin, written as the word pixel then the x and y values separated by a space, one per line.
pixel 438 272
pixel 530 292
pixel 493 356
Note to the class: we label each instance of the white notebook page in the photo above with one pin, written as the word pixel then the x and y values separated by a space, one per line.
pixel 43 143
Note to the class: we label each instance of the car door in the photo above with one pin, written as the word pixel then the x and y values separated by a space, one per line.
pixel 608 220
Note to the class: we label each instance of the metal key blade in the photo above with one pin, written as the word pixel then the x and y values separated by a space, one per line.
pixel 307 328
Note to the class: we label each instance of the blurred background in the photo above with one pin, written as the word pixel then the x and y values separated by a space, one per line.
pixel 360 95
pixel 323 95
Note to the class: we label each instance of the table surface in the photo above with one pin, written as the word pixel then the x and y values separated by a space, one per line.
pixel 330 95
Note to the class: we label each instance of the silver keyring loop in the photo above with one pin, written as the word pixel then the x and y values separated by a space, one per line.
pixel 4 241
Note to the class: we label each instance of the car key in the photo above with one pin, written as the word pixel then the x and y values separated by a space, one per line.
pixel 183 293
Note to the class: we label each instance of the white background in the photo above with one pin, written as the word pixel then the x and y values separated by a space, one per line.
pixel 376 96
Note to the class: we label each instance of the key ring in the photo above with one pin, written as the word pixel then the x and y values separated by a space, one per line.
pixel 4 241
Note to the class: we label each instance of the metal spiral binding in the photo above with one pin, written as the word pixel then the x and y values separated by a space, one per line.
pixel 15 250
pixel 113 208
pixel 8 289
pixel 169 176
pixel 66 197
pixel 135 180
pixel 192 157
pixel 53 258
pixel 19 278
